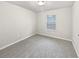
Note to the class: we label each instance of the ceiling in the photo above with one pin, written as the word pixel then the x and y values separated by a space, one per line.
pixel 49 5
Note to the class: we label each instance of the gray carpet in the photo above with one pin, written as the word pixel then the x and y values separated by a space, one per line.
pixel 40 47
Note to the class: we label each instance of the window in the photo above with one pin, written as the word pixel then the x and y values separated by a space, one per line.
pixel 51 22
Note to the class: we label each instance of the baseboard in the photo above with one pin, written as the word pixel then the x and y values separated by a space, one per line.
pixel 74 45
pixel 15 42
pixel 77 52
pixel 54 37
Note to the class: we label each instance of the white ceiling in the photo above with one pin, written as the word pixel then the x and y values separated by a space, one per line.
pixel 32 5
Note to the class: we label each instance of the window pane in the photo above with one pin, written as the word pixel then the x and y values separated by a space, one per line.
pixel 51 22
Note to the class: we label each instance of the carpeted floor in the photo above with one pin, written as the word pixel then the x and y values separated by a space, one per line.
pixel 40 47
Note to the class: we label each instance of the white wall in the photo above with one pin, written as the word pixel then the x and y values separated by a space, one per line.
pixel 16 23
pixel 76 26
pixel 63 23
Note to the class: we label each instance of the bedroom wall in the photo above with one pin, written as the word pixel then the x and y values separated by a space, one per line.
pixel 16 23
pixel 63 23
pixel 75 10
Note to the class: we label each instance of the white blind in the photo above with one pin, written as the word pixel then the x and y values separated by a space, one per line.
pixel 51 22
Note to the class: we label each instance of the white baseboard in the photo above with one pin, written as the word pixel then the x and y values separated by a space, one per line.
pixel 16 42
pixel 54 37
pixel 75 47
pixel 39 34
